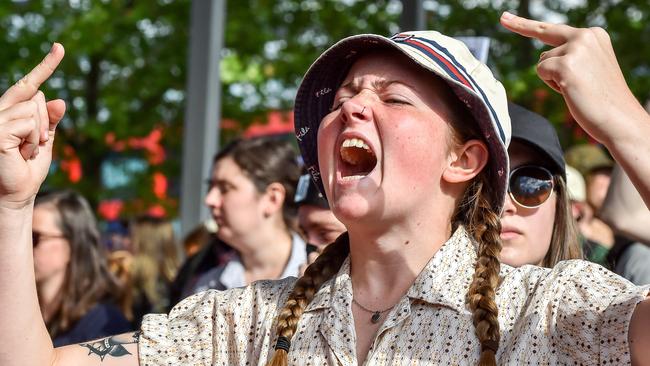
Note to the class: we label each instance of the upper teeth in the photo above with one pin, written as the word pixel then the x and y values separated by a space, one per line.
pixel 354 142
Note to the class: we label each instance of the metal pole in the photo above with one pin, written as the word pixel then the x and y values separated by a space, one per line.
pixel 413 15
pixel 202 107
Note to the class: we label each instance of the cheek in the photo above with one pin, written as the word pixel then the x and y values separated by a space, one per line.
pixel 417 152
pixel 542 229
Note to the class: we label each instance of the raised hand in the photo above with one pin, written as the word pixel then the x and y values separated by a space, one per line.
pixel 27 126
pixel 583 68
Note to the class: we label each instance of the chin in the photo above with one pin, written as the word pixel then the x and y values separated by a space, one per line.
pixel 351 209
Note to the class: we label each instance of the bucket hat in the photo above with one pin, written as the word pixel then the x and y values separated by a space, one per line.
pixel 448 58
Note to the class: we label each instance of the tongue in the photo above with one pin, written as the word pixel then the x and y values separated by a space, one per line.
pixel 357 161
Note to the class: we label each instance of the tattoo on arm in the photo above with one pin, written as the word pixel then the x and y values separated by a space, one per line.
pixel 111 346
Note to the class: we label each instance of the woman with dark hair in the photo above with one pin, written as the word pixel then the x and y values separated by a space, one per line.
pixel 250 196
pixel 79 298
pixel 537 226
pixel 407 137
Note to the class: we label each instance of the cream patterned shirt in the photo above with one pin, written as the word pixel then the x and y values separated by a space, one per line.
pixel 577 313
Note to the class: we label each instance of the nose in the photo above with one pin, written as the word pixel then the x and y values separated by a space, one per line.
pixel 213 198
pixel 509 207
pixel 356 110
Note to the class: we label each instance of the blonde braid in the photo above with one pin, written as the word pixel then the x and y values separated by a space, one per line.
pixel 484 225
pixel 326 265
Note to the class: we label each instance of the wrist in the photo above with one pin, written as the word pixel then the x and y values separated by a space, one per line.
pixel 16 207
pixel 629 125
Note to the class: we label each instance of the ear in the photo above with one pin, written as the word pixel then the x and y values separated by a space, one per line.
pixel 274 198
pixel 466 162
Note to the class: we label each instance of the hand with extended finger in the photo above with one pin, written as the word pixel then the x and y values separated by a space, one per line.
pixel 583 68
pixel 27 125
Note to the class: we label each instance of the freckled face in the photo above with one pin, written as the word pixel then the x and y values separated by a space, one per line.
pixel 396 112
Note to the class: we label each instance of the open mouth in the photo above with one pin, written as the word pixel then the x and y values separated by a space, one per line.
pixel 357 158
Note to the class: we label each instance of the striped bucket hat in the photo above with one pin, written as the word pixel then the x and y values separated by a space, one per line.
pixel 446 57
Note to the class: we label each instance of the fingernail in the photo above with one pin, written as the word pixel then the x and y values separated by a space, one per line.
pixel 45 136
pixel 507 15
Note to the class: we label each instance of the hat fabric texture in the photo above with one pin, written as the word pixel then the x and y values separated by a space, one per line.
pixel 537 132
pixel 444 57
pixel 308 194
pixel 587 158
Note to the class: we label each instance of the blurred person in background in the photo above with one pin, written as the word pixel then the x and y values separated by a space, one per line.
pixel 156 258
pixel 596 169
pixel 197 238
pixel 315 219
pixel 250 196
pixel 536 224
pixel 624 211
pixel 79 297
pixel 583 215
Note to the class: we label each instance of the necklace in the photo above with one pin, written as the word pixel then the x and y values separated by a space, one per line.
pixel 376 314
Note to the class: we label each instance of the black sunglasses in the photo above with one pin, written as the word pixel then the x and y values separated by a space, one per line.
pixel 38 236
pixel 530 185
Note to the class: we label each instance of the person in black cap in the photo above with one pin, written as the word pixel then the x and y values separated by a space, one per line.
pixel 316 220
pixel 537 226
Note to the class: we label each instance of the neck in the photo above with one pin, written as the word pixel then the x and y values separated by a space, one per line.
pixel 386 262
pixel 267 252
pixel 49 295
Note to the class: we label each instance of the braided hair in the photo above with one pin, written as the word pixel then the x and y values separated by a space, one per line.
pixel 325 266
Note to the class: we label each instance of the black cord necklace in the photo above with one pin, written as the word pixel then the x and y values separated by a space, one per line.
pixel 376 314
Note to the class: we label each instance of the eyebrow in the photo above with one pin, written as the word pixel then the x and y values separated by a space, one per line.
pixel 376 84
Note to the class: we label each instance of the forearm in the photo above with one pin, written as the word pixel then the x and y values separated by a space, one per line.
pixel 629 145
pixel 639 334
pixel 23 337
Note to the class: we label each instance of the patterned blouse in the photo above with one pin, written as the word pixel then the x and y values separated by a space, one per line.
pixel 575 313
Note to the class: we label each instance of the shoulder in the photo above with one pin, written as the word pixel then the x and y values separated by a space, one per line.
pixel 205 326
pixel 568 285
pixel 262 295
pixel 568 272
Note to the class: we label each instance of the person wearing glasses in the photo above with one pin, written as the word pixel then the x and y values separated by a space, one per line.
pixel 407 136
pixel 78 296
pixel 537 226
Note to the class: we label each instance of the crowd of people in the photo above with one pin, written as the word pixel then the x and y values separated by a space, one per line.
pixel 431 221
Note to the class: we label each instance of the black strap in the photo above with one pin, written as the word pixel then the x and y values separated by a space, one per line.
pixel 283 343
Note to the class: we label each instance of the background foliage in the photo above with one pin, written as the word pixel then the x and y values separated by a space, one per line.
pixel 124 74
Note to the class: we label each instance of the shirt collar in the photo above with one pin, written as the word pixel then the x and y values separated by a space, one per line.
pixel 233 274
pixel 443 281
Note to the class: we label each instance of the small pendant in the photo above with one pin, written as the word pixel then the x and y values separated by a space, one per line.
pixel 375 317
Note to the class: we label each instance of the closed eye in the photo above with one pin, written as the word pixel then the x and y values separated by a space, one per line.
pixel 338 103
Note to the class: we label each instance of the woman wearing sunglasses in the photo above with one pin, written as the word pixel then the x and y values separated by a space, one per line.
pixel 536 224
pixel 407 136
pixel 79 297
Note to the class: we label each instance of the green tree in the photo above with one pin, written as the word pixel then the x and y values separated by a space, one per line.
pixel 125 70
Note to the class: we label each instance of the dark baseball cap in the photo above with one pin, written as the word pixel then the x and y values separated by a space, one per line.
pixel 537 132
pixel 308 194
